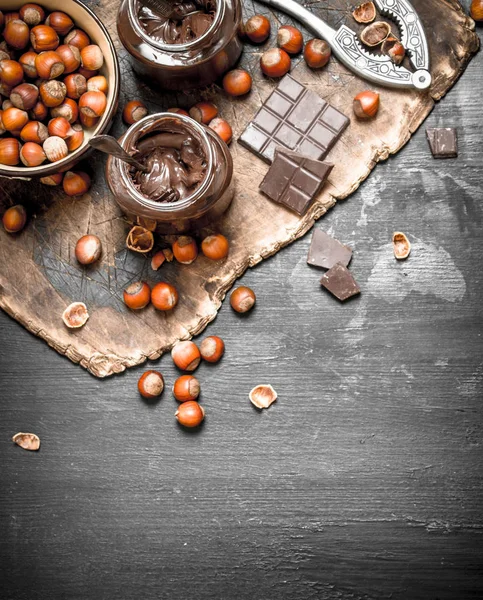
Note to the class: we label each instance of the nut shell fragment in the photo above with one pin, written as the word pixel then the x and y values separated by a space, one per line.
pixel 140 239
pixel 393 48
pixel 27 441
pixel 262 396
pixel 375 33
pixel 75 315
pixel 365 12
pixel 401 244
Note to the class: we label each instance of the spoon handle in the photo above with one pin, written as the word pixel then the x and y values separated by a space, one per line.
pixel 109 145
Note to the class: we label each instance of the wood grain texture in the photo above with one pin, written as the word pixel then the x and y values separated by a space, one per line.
pixel 114 337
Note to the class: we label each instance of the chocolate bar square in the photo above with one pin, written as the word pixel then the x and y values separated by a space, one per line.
pixel 325 251
pixel 443 142
pixel 294 118
pixel 294 180
pixel 340 282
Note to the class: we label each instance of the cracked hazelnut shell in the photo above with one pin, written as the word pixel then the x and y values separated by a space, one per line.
pixel 375 33
pixel 75 315
pixel 263 396
pixel 365 12
pixel 27 441
pixel 401 245
pixel 140 239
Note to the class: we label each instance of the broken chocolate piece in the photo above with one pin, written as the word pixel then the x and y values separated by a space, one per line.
pixel 294 180
pixel 294 118
pixel 340 283
pixel 325 251
pixel 443 142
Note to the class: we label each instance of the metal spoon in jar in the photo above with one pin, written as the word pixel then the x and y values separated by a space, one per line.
pixel 109 145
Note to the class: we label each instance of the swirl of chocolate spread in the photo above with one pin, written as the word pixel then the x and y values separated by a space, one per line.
pixel 176 163
pixel 190 21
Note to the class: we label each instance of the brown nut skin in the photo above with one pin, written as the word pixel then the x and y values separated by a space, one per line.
pixel 186 356
pixel 215 247
pixel 14 219
pixel 290 39
pixel 366 104
pixel 317 53
pixel 476 10
pixel 237 82
pixel 151 384
pixel 242 299
pixel 134 111
pixel 137 295
pixel 212 349
pixel 186 388
pixel 75 315
pixel 164 296
pixel 88 249
pixel 222 128
pixel 275 62
pixel 190 414
pixel 365 12
pixel 257 29
pixel 185 250
pixel 203 112
pixel 76 183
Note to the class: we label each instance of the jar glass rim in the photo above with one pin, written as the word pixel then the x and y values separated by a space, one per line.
pixel 137 130
pixel 133 16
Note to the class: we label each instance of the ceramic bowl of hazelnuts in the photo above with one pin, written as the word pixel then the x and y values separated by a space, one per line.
pixel 59 85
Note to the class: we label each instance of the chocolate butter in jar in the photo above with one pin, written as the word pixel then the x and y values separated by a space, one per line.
pixel 187 183
pixel 193 48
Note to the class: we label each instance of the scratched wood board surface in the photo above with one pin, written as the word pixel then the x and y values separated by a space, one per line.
pixel 39 276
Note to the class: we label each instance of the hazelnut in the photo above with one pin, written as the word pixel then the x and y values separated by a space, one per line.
pixel 151 384
pixel 237 82
pixel 88 122
pixel 39 112
pixel 52 180
pixel 257 29
pixel 137 295
pixel 76 139
pixel 186 355
pixel 56 149
pixel 88 249
pixel 222 128
pixel 32 14
pixel 366 104
pixel 52 93
pixel 185 250
pixel 275 62
pixel 164 296
pixel 14 119
pixel 178 111
pixel 203 112
pixel 25 96
pixel 262 396
pixel 70 56
pixel 401 245
pixel 75 183
pixel 375 33
pixel 32 154
pixel 476 10
pixel 98 83
pixel 43 37
pixel 92 58
pixel 215 247
pixel 87 73
pixel 317 53
pixel 34 131
pixel 60 22
pixel 75 315
pixel 242 299
pixel 16 34
pixel 157 260
pixel 14 219
pixel 140 240
pixel 68 109
pixel 290 39
pixel 394 49
pixel 212 349
pixel 49 65
pixel 27 441
pixel 190 414
pixel 186 388
pixel 77 38
pixel 365 12
pixel 93 104
pixel 11 72
pixel 27 62
pixel 134 111
pixel 61 127
pixel 9 151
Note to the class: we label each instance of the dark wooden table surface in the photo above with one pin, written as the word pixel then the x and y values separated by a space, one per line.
pixel 364 480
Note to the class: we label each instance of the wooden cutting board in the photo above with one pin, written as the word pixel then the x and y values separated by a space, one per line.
pixel 39 275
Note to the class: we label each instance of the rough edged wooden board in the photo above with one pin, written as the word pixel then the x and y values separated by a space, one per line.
pixel 39 275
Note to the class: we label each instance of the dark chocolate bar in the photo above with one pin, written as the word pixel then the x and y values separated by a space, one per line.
pixel 325 251
pixel 294 118
pixel 340 283
pixel 443 142
pixel 294 180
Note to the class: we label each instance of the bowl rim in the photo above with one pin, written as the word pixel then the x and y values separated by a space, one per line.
pixel 22 172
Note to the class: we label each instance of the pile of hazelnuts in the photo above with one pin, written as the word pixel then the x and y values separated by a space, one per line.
pixel 50 90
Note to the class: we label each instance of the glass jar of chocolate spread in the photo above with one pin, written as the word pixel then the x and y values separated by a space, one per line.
pixel 187 179
pixel 192 48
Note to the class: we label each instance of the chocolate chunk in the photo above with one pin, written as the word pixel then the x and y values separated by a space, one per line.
pixel 294 118
pixel 294 180
pixel 325 251
pixel 443 142
pixel 340 283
